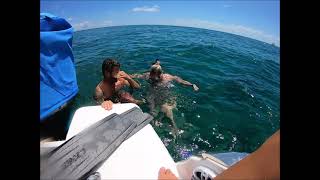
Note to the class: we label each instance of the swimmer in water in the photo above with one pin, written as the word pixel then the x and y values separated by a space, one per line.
pixel 110 89
pixel 159 91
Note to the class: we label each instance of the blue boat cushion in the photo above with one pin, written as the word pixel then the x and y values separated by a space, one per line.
pixel 58 83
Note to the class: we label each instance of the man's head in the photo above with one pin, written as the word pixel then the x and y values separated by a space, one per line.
pixel 110 68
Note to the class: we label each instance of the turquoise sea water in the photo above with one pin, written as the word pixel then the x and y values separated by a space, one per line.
pixel 238 104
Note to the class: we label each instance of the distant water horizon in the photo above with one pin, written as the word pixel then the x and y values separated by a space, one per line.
pixel 271 43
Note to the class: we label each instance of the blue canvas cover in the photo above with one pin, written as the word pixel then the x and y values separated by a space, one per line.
pixel 58 83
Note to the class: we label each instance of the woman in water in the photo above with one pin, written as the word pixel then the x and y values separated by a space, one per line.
pixel 159 92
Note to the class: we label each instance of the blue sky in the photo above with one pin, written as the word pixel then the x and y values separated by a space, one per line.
pixel 255 19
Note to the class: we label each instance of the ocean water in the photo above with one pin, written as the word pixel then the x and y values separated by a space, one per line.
pixel 238 104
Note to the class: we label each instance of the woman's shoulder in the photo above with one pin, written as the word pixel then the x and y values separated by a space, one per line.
pixel 168 76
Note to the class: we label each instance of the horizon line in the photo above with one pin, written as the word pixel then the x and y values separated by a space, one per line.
pixel 273 43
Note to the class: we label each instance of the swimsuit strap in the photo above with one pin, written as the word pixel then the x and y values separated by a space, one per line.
pixel 100 84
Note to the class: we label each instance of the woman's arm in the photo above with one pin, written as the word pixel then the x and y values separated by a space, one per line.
pixel 184 82
pixel 140 76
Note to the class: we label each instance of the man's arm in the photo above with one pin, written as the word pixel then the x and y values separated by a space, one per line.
pixel 184 82
pixel 98 95
pixel 132 82
pixel 126 97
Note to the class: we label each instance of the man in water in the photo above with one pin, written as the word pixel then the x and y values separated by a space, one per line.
pixel 159 91
pixel 109 90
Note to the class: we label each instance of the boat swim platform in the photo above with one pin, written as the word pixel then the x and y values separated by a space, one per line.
pixel 139 157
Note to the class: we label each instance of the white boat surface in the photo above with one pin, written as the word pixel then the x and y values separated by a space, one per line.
pixel 143 154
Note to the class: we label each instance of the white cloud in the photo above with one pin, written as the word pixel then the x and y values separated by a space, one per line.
pixel 230 28
pixel 154 8
pixel 89 25
pixel 69 19
pixel 81 25
pixel 107 23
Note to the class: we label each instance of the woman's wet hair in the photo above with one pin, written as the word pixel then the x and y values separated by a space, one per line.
pixel 157 61
pixel 156 69
pixel 108 64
